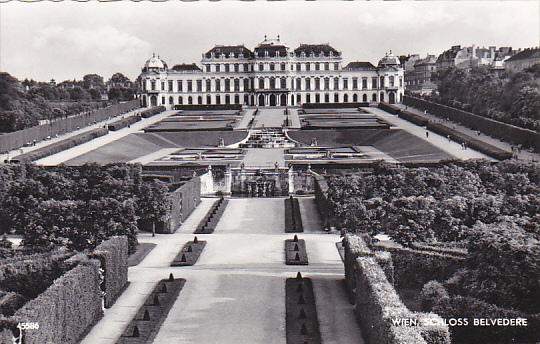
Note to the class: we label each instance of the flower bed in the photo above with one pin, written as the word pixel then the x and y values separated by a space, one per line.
pixel 144 327
pixel 295 252
pixel 293 219
pixel 190 253
pixel 209 222
pixel 302 323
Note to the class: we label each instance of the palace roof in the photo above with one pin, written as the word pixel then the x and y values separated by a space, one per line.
pixel 186 67
pixel 357 65
pixel 316 49
pixel 270 50
pixel 229 51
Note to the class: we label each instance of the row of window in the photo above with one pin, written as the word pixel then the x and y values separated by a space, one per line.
pixel 261 67
pixel 261 99
pixel 307 84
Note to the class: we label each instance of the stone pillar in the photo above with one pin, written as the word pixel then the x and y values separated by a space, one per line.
pixel 228 181
pixel 291 180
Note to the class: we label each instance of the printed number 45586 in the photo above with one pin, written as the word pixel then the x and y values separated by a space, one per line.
pixel 28 326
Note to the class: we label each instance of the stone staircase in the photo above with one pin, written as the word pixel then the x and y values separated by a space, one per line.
pixel 267 138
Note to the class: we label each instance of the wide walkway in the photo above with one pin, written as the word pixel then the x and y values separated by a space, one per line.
pixel 264 157
pixel 235 292
pixel 523 154
pixel 269 118
pixel 437 140
pixel 76 151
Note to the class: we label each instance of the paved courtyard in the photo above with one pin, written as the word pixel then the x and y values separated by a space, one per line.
pixel 236 291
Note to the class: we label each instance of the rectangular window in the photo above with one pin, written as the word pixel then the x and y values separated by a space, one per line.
pixel 345 84
pixel 374 82
pixel 317 66
pixel 227 85
pixel 208 68
pixel 190 86
pixel 308 67
pixel 227 68
pixel 317 84
pixel 199 85
pixel 236 68
pixel 218 68
pixel 336 84
pixel 218 85
pixel 163 85
pixel 298 84
pixel 298 67
pixel 153 85
pixel 208 85
pixel 308 84
pixel 236 85
pixel 364 83
pixel 326 66
pixel 326 84
pixel 336 66
pixel 170 86
pixel 272 66
pixel 355 83
pixel 283 66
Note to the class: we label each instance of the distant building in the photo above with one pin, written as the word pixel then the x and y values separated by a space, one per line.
pixel 473 56
pixel 522 60
pixel 419 78
pixel 271 75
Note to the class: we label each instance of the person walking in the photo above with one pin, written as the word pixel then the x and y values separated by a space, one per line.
pixel 427 134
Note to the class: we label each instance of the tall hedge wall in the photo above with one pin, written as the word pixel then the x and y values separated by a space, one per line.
pixel 413 268
pixel 506 132
pixel 67 309
pixel 152 111
pixel 113 256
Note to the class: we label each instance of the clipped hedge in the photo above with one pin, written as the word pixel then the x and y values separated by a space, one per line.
pixel 67 309
pixel 31 274
pixel 113 256
pixel 152 111
pixel 355 246
pixel 413 118
pixel 413 268
pixel 377 304
pixel 61 145
pixel 208 107
pixel 389 108
pixel 481 146
pixel 122 123
pixel 334 105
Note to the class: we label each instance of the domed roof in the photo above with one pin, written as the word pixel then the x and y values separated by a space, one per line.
pixel 389 60
pixel 155 62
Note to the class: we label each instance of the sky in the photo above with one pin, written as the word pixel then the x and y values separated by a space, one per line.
pixel 66 40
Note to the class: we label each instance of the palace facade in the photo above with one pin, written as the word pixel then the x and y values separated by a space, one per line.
pixel 271 75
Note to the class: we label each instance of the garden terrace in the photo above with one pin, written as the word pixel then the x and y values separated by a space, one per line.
pixel 201 157
pixel 322 156
pixel 302 323
pixel 145 325
pixel 195 125
pixel 190 253
pixel 396 143
pixel 134 146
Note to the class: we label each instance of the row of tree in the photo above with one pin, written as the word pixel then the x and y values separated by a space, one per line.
pixel 23 104
pixel 78 207
pixel 510 98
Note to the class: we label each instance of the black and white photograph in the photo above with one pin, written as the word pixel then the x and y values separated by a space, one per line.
pixel 269 172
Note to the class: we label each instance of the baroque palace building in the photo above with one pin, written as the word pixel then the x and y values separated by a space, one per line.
pixel 271 75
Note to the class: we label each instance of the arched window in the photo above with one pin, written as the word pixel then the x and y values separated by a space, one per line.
pixel 227 99
pixel 364 97
pixel 208 99
pixel 283 83
pixel 261 83
pixel 272 83
pixel 261 67
pixel 391 81
pixel 346 98
pixel 327 98
pixel 218 99
pixel 208 85
pixel 180 100
pixel 246 85
pixel 199 100
pixel 236 99
pixel 355 98
pixel 308 98
pixel 382 82
pixel 190 100
pixel 298 99
pixel 336 98
pixel 317 98
pixel 381 97
pixel 374 97
pixel 171 102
